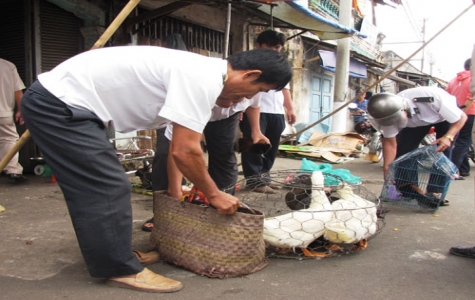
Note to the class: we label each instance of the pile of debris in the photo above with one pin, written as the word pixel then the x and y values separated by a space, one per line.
pixel 332 147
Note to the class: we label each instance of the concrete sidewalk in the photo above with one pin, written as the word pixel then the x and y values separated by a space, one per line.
pixel 40 258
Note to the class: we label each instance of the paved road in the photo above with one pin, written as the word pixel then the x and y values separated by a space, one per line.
pixel 40 259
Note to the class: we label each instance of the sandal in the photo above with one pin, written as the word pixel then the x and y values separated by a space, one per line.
pixel 444 203
pixel 147 258
pixel 148 225
pixel 438 196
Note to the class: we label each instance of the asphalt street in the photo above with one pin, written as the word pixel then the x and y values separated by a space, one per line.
pixel 409 259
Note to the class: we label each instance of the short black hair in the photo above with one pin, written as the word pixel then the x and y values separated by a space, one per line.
pixel 271 38
pixel 467 64
pixel 276 69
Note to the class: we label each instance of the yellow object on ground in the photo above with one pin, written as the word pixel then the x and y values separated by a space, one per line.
pixel 2 209
pixel 372 157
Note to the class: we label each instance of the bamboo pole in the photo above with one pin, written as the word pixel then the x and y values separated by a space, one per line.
pixel 99 43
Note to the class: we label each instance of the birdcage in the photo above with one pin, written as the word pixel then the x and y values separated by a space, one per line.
pixel 419 180
pixel 295 227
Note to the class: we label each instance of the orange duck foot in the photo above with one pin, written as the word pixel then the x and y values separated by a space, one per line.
pixel 333 247
pixel 283 250
pixel 363 244
pixel 308 253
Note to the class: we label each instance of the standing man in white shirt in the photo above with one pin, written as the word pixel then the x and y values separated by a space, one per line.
pixel 11 87
pixel 275 107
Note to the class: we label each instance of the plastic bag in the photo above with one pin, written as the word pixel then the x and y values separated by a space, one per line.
pixel 344 174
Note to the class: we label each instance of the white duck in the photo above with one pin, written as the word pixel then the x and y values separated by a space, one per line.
pixel 300 228
pixel 355 219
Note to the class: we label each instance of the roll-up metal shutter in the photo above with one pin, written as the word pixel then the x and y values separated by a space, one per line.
pixel 12 35
pixel 59 35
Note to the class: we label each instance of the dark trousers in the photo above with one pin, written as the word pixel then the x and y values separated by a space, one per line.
pixel 160 162
pixel 272 126
pixel 97 192
pixel 461 145
pixel 222 163
pixel 220 138
pixel 408 140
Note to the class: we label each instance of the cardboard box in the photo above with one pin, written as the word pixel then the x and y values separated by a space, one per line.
pixel 337 142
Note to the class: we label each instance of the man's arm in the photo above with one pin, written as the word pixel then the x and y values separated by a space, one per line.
pixel 289 109
pixel 472 71
pixel 445 142
pixel 187 155
pixel 253 115
pixel 175 177
pixel 18 117
pixel 389 153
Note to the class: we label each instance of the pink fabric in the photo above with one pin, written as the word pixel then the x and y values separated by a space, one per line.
pixel 460 88
pixel 472 69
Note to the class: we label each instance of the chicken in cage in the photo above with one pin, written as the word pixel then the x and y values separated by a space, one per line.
pixel 419 180
pixel 314 214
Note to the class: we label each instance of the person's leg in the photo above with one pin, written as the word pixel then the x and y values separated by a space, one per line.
pixel 159 163
pixel 405 174
pixel 274 129
pixel 159 170
pixel 461 145
pixel 94 184
pixel 8 138
pixel 222 162
pixel 438 182
pixel 464 169
pixel 251 162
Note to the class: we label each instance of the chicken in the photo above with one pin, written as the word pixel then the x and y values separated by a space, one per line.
pixel 299 228
pixel 355 219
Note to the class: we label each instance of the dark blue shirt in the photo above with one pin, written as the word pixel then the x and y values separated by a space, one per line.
pixel 363 106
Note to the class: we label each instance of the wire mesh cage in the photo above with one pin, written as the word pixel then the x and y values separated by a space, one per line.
pixel 419 180
pixel 312 218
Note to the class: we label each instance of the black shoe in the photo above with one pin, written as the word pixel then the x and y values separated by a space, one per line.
pixel 17 177
pixel 463 251
pixel 465 174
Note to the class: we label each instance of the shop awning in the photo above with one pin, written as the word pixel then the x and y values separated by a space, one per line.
pixel 297 15
pixel 380 72
pixel 328 62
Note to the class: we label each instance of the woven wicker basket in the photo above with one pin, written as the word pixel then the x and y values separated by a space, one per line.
pixel 199 239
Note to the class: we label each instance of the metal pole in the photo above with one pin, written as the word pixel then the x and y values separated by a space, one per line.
pixel 100 43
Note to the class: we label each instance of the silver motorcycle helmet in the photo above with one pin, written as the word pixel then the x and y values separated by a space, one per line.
pixel 386 109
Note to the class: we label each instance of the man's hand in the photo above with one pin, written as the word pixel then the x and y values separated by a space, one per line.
pixel 226 204
pixel 291 117
pixel 19 118
pixel 259 138
pixel 443 143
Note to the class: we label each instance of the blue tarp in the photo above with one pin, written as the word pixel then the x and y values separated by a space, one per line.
pixel 328 62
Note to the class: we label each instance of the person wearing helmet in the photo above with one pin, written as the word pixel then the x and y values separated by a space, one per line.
pixel 404 119
pixel 409 115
